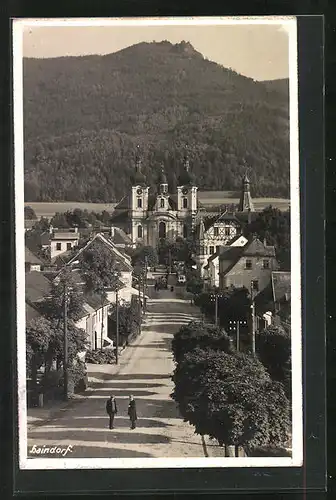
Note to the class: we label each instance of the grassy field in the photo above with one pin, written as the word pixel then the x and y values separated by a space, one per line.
pixel 207 198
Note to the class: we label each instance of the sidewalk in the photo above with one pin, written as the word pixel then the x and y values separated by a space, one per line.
pixel 54 410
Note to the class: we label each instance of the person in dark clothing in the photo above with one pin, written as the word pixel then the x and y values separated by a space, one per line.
pixel 111 410
pixel 132 412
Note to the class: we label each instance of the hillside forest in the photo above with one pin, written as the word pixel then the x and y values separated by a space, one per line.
pixel 86 119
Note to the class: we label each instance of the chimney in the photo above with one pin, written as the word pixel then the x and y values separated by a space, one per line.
pixel 249 218
pixel 112 229
pixel 265 242
pixel 51 229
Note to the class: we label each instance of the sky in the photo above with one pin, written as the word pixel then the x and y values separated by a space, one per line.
pixel 259 51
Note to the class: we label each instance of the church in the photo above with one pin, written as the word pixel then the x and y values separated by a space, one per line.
pixel 148 218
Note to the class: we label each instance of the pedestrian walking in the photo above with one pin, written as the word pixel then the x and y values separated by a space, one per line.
pixel 111 410
pixel 132 412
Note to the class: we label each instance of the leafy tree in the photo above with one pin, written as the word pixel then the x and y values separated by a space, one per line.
pixel 274 351
pixel 38 334
pixel 99 267
pixel 29 213
pixel 231 398
pixel 141 252
pixel 273 225
pixel 59 220
pixel 194 282
pixel 197 334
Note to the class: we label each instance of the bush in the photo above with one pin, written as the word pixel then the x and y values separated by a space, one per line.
pixel 100 357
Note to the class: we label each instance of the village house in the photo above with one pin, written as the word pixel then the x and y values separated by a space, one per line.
pixel 211 269
pixel 32 262
pixel 248 266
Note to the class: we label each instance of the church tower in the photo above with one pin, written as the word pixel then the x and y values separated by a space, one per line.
pixel 186 192
pixel 245 202
pixel 139 204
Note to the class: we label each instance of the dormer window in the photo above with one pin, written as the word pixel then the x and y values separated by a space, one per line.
pixel 139 203
pixel 215 231
pixel 185 203
pixel 162 203
pixel 227 231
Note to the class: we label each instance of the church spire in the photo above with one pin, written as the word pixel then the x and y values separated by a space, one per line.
pixel 163 183
pixel 138 178
pixel 246 203
pixel 186 178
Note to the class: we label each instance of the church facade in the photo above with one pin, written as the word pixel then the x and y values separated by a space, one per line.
pixel 150 218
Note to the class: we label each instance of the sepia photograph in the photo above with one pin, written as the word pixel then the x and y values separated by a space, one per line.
pixel 157 216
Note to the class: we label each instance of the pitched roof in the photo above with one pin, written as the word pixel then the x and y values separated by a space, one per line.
pixel 29 223
pixel 236 238
pixel 253 248
pixel 281 285
pixel 124 204
pixel 31 313
pixel 31 258
pixel 37 286
pixel 120 237
pixel 65 235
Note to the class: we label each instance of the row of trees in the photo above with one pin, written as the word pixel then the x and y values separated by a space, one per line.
pixel 45 334
pixel 230 396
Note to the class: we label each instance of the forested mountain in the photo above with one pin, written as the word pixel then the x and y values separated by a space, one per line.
pixel 85 116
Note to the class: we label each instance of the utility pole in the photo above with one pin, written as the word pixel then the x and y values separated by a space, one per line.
pixel 102 320
pixel 253 319
pixel 65 344
pixel 216 310
pixel 117 326
pixel 140 313
pixel 145 282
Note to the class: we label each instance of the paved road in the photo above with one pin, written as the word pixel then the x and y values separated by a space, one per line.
pixel 160 431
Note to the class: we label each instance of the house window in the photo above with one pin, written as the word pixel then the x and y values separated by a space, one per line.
pixel 139 231
pixel 266 264
pixel 185 203
pixel 139 203
pixel 162 203
pixel 68 246
pixel 255 285
pixel 217 249
pixel 58 246
pixel 211 250
pixel 227 231
pixel 248 264
pixel 215 231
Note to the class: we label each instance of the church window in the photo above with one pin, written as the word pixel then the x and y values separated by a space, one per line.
pixel 215 231
pixel 139 203
pixel 162 203
pixel 211 250
pixel 185 203
pixel 139 231
pixel 227 231
pixel 185 231
pixel 162 230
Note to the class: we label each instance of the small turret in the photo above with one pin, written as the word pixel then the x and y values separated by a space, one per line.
pixel 138 178
pixel 186 178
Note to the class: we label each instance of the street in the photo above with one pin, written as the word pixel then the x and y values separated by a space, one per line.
pixel 144 371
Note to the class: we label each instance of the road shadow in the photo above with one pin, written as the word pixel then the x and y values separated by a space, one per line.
pixel 116 391
pixel 126 385
pixel 102 422
pixel 94 452
pixel 125 436
pixel 141 376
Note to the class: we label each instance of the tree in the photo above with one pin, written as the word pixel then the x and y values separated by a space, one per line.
pixel 141 253
pixel 194 282
pixel 99 267
pixel 29 213
pixel 197 334
pixel 273 225
pixel 231 398
pixel 38 335
pixel 274 351
pixel 59 220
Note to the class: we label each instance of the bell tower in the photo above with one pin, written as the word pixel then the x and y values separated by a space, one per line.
pixel 139 204
pixel 186 192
